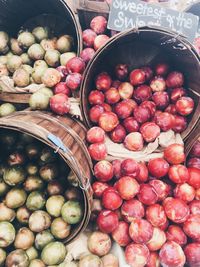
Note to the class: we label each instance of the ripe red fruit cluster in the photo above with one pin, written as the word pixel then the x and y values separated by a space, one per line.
pixel 153 209
pixel 94 37
pixel 135 106
pixel 71 79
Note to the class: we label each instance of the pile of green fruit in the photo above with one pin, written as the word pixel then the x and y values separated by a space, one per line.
pixel 39 204
pixel 33 56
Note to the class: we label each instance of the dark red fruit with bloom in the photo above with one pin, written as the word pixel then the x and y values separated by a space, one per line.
pixel 162 69
pixel 155 214
pixel 73 81
pixel 60 104
pixel 63 72
pixel 178 174
pixel 162 189
pixel 195 151
pixel 129 167
pixel 180 124
pixel 191 227
pixel 171 254
pixel 95 113
pixel 131 125
pixel 174 154
pixel 107 221
pixel 103 81
pixel 95 135
pixel 98 151
pixel 61 88
pixel 117 168
pixel 137 77
pixel 118 134
pixel 123 110
pixel 103 171
pixel 75 65
pixel 108 121
pixel 143 174
pixel 142 114
pixel 176 234
pixel 192 253
pixel 148 73
pixel 171 109
pixel 161 99
pixel 153 260
pixel 127 187
pixel 177 93
pixel 121 71
pixel 176 209
pixel 98 24
pixel 164 120
pixel 142 93
pixel 158 167
pixel 185 106
pixel 140 231
pixel 150 131
pixel 88 36
pixel 96 97
pixel 121 234
pixel 185 192
pixel 112 96
pixel 99 188
pixel 87 54
pixel 132 209
pixel 147 195
pixel 137 255
pixel 175 79
pixel 194 177
pixel 111 199
pixel 195 207
pixel 150 105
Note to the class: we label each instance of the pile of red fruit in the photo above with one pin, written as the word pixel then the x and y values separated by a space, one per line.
pixel 94 38
pixel 152 210
pixel 135 107
pixel 71 77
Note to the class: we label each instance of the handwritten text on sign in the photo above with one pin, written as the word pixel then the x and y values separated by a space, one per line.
pixel 126 14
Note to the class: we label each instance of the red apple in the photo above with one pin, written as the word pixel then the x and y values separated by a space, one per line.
pixel 87 54
pixel 121 234
pixel 140 231
pixel 73 81
pixel 75 65
pixel 171 254
pixel 137 77
pixel 121 71
pixel 175 79
pixel 158 167
pixel 147 195
pixel 134 141
pixel 103 171
pixel 131 125
pixel 98 151
pixel 88 37
pixel 95 113
pixel 127 187
pixel 132 209
pixel 176 234
pixel 108 121
pixel 150 131
pixel 185 106
pixel 96 97
pixel 100 41
pixel 158 84
pixel 174 154
pixel 125 90
pixel 137 255
pixel 142 93
pixel 118 134
pixel 60 104
pixel 103 81
pixel 107 221
pixel 112 96
pixel 162 69
pixel 176 209
pixel 178 174
pixel 61 88
pixel 98 24
pixel 111 199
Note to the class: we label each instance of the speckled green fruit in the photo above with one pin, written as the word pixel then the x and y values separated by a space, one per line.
pixel 14 45
pixel 17 258
pixel 54 205
pixel 7 234
pixel 26 39
pixel 14 63
pixel 53 253
pixel 14 175
pixel 7 109
pixel 64 58
pixel 2 257
pixel 40 33
pixel 35 201
pixel 43 238
pixel 32 253
pixel 21 77
pixel 15 198
pixel 36 52
pixel 6 214
pixel 72 212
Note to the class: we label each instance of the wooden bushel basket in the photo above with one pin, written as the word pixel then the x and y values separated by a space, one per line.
pixel 56 14
pixel 140 47
pixel 67 138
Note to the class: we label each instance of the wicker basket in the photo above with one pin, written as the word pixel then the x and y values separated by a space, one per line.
pixel 67 138
pixel 146 46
